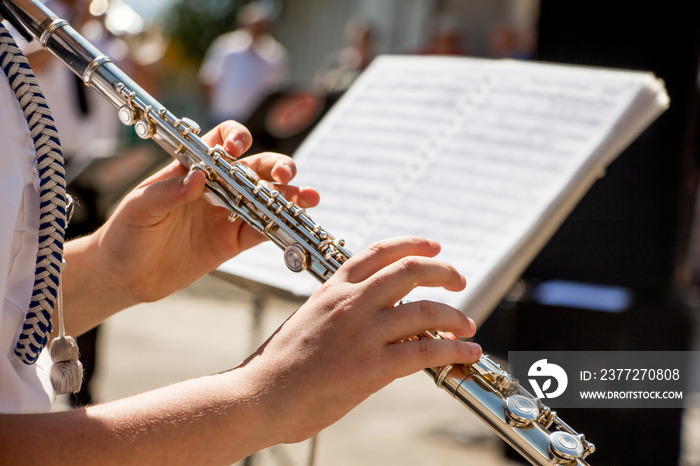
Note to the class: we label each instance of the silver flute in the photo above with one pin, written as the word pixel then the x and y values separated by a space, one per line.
pixel 521 419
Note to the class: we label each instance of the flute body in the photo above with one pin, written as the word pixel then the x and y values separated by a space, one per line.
pixel 530 427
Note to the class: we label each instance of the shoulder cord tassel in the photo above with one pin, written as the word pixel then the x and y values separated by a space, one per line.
pixel 67 370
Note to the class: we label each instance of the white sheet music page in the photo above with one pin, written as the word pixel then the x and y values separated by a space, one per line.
pixel 486 156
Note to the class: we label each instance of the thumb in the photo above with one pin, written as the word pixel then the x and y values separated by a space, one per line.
pixel 162 197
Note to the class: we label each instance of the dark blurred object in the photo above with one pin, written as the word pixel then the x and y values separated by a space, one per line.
pixel 285 118
pixel 631 230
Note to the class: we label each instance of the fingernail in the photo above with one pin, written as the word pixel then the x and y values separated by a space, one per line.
pixel 187 180
pixel 240 146
pixel 434 243
pixel 475 348
pixel 287 173
pixel 290 166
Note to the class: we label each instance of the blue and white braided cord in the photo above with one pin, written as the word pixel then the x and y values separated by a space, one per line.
pixel 52 193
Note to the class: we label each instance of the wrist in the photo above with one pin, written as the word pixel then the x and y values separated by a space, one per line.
pixel 283 411
pixel 255 410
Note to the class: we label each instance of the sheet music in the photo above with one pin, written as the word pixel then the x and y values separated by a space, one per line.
pixel 485 156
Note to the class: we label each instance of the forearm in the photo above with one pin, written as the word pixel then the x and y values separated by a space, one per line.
pixel 211 420
pixel 89 297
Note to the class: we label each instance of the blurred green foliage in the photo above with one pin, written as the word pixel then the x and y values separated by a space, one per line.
pixel 194 24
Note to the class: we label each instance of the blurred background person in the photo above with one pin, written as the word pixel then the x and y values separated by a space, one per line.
pixel 342 67
pixel 508 41
pixel 242 67
pixel 447 38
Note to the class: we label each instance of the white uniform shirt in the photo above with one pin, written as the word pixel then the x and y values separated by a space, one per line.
pixel 23 388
